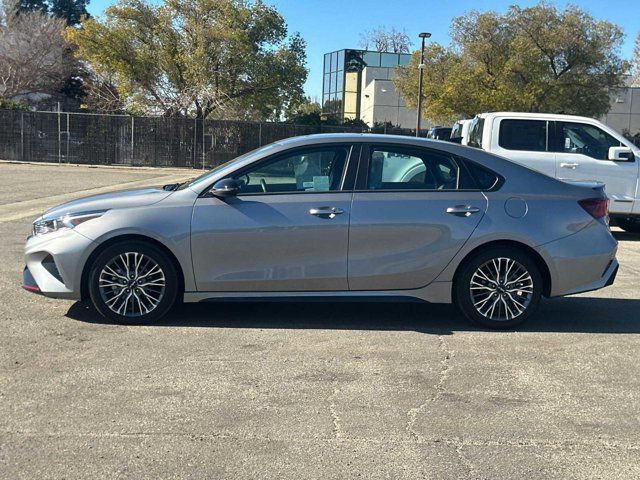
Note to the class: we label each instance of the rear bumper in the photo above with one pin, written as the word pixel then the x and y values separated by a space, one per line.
pixel 607 279
pixel 581 262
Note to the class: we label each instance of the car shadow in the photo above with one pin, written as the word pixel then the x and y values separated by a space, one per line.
pixel 570 315
pixel 626 236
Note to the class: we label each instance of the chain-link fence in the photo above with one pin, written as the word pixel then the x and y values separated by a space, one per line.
pixel 139 141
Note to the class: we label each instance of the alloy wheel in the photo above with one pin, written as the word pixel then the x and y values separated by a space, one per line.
pixel 132 284
pixel 501 289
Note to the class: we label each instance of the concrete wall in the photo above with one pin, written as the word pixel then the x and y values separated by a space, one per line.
pixel 625 110
pixel 381 102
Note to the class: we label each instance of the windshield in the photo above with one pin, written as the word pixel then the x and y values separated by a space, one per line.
pixel 228 164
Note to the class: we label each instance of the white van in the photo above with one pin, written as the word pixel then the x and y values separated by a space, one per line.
pixel 460 130
pixel 569 148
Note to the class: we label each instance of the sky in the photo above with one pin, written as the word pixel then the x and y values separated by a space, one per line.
pixel 329 25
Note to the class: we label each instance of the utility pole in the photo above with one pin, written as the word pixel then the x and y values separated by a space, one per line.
pixel 423 36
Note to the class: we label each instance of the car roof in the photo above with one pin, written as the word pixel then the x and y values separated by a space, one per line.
pixel 548 116
pixel 359 138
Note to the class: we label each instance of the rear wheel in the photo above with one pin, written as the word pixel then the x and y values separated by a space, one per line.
pixel 631 225
pixel 499 288
pixel 132 283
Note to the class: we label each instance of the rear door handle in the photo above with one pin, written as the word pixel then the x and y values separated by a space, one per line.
pixel 326 212
pixel 462 210
pixel 571 165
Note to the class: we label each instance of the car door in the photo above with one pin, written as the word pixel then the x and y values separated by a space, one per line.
pixel 582 153
pixel 524 141
pixel 412 211
pixel 286 230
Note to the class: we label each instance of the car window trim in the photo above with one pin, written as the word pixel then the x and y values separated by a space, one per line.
pixel 365 157
pixel 351 146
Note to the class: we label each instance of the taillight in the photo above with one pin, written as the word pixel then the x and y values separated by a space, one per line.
pixel 596 207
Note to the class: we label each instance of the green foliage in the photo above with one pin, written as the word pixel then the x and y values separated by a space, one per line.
pixel 538 59
pixel 355 123
pixel 383 127
pixel 303 112
pixel 71 10
pixel 13 105
pixel 203 57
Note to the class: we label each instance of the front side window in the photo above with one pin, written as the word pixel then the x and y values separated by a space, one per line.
pixel 584 139
pixel 525 135
pixel 313 170
pixel 399 169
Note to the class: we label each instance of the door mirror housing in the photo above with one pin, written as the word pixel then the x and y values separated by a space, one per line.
pixel 227 187
pixel 620 154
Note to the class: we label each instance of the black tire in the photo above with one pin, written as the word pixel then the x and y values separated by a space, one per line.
pixel 133 312
pixel 630 225
pixel 528 297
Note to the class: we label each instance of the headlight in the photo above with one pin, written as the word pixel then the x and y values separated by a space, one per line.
pixel 48 225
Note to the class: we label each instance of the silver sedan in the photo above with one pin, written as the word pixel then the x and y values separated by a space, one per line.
pixel 332 216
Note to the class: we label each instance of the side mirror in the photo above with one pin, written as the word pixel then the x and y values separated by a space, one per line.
pixel 620 154
pixel 227 187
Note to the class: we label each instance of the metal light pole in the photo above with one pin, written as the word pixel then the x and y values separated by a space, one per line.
pixel 423 36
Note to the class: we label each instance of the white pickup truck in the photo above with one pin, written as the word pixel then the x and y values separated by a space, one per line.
pixel 569 148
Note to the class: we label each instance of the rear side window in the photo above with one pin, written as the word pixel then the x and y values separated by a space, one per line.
pixel 475 132
pixel 392 168
pixel 525 135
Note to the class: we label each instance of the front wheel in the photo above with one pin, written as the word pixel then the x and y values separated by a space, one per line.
pixel 133 283
pixel 498 288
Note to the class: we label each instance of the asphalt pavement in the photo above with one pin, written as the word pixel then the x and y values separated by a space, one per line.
pixel 307 390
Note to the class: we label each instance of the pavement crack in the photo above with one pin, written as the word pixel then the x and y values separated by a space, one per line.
pixel 459 445
pixel 445 365
pixel 337 423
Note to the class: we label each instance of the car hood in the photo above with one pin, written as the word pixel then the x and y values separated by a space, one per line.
pixel 107 201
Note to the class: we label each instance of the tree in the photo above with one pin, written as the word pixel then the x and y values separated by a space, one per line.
pixel 31 5
pixel 636 63
pixel 34 57
pixel 72 11
pixel 537 59
pixel 386 40
pixel 304 112
pixel 200 57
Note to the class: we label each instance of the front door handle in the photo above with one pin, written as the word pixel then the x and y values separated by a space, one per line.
pixel 571 165
pixel 326 212
pixel 462 210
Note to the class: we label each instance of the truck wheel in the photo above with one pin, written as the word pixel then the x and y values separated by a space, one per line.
pixel 631 225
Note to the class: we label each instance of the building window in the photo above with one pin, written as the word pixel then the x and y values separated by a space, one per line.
pixel 389 60
pixel 371 59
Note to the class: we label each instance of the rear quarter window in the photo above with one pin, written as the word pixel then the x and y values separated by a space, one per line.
pixel 484 178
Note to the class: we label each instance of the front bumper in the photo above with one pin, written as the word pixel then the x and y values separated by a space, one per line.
pixel 29 283
pixel 54 264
